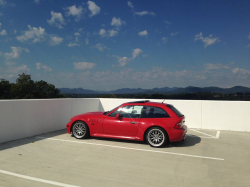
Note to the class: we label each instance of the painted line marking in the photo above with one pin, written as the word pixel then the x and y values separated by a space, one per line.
pixel 216 137
pixel 201 136
pixel 217 134
pixel 120 147
pixel 37 179
pixel 201 132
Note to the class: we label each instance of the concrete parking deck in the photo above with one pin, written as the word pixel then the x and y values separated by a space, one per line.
pixel 206 158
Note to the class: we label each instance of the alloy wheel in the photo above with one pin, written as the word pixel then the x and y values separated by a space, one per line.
pixel 79 130
pixel 156 137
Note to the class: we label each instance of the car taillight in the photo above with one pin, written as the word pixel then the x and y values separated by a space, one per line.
pixel 178 126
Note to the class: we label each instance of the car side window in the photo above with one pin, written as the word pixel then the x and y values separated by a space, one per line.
pixel 113 114
pixel 129 111
pixel 153 112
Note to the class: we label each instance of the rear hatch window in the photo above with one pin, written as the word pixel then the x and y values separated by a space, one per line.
pixel 177 112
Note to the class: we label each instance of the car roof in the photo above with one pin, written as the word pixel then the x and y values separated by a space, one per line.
pixel 146 102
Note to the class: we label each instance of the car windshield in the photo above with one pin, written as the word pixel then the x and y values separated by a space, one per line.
pixel 106 112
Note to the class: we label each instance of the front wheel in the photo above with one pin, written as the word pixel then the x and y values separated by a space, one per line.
pixel 156 137
pixel 80 130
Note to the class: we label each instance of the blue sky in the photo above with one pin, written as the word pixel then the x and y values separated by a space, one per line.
pixel 106 45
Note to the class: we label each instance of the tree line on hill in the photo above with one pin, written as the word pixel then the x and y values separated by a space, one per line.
pixel 26 88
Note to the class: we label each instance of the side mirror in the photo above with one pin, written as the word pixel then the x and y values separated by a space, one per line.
pixel 117 116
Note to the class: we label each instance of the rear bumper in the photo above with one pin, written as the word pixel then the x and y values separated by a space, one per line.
pixel 178 134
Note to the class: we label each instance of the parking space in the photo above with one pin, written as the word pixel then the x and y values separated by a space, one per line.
pixel 206 157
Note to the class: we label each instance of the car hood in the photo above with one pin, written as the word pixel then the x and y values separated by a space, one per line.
pixel 93 113
pixel 90 114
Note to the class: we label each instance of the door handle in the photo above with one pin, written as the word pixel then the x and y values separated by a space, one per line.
pixel 133 122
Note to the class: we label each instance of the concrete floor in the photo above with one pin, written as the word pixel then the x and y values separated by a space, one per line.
pixel 202 160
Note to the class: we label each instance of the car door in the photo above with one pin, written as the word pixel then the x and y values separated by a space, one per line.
pixel 126 124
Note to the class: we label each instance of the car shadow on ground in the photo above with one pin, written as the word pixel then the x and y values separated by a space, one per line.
pixel 189 141
pixel 28 140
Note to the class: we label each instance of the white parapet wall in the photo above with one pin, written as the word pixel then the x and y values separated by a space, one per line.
pixel 25 118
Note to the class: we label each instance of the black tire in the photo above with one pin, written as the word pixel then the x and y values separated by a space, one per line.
pixel 156 137
pixel 80 130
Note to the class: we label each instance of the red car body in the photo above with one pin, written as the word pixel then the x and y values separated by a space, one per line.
pixel 103 124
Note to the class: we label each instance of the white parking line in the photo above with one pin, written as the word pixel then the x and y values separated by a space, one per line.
pixel 201 132
pixel 210 136
pixel 120 147
pixel 201 136
pixel 217 134
pixel 37 179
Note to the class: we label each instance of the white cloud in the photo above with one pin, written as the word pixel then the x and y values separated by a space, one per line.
pixel 117 22
pixel 15 53
pixel 143 13
pixel 0 24
pixel 143 33
pixel 206 40
pixel 43 67
pixel 55 40
pixel 112 33
pixel 74 11
pixel 3 33
pixel 77 34
pixel 84 65
pixel 102 32
pixel 125 60
pixel 73 44
pixel 57 20
pixel 3 2
pixel 87 41
pixel 167 22
pixel 248 45
pixel 93 8
pixel 100 46
pixel 34 34
pixel 216 66
pixel 241 71
pixel 130 4
pixel 174 33
pixel 136 52
pixel 151 78
pixel 164 40
pixel 18 69
pixel 37 1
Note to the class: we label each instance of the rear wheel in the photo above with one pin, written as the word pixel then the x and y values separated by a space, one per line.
pixel 156 137
pixel 80 130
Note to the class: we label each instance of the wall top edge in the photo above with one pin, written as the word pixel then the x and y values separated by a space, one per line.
pixel 160 100
pixel 46 99
pixel 34 99
pixel 177 100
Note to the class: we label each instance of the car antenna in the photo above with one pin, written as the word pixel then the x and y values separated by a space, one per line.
pixel 163 101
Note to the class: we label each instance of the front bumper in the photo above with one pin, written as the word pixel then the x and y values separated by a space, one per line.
pixel 68 127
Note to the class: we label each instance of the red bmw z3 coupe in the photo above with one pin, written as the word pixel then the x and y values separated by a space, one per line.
pixel 155 123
